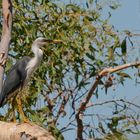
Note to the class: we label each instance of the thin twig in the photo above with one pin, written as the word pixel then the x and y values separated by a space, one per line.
pixel 113 101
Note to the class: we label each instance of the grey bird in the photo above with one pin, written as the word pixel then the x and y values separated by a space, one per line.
pixel 21 72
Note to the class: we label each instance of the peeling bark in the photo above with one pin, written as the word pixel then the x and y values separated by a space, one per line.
pixel 6 36
pixel 24 131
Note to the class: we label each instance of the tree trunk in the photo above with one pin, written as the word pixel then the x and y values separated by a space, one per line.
pixel 6 36
pixel 24 131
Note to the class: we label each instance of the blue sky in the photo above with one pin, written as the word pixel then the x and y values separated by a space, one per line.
pixel 127 16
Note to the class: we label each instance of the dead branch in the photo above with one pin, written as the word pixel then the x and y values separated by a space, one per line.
pixel 24 131
pixel 84 103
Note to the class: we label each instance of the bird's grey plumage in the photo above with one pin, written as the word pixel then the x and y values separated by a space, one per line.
pixel 21 71
pixel 15 79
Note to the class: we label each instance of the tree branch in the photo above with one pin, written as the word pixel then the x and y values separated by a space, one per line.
pixel 83 104
pixel 15 131
pixel 6 36
pixel 113 101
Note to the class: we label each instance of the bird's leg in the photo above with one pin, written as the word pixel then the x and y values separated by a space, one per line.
pixel 20 110
pixel 13 108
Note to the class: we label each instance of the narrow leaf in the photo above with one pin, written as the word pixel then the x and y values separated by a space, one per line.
pixel 124 75
pixel 124 47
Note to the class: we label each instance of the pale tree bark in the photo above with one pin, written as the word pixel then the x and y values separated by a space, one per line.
pixel 24 131
pixel 6 36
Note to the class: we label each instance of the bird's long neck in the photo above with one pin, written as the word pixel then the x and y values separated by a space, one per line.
pixel 35 61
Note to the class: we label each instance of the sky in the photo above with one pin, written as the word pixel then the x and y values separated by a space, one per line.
pixel 126 17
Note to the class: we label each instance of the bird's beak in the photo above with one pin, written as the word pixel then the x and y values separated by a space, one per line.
pixel 51 41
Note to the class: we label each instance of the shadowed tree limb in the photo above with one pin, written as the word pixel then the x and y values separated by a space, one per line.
pixel 6 36
pixel 84 103
pixel 24 131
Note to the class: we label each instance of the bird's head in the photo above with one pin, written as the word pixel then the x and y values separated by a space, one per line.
pixel 41 41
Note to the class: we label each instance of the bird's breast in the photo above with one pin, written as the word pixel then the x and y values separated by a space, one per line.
pixel 32 66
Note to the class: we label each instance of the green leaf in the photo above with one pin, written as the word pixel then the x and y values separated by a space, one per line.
pixel 115 121
pixel 55 132
pixel 124 75
pixel 72 7
pixel 90 56
pixel 96 93
pixel 9 64
pixel 124 47
pixel 111 53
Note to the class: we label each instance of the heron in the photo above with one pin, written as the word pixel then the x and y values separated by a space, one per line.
pixel 21 72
